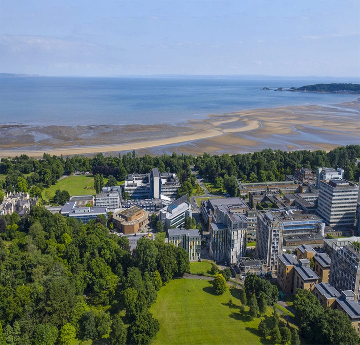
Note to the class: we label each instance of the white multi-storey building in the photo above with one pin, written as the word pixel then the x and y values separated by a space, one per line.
pixel 174 214
pixel 110 197
pixel 337 202
pixel 327 174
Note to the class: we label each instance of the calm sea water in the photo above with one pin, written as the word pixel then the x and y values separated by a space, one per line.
pixel 118 101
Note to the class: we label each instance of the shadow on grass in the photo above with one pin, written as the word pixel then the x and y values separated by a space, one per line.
pixel 235 293
pixel 244 317
pixel 232 306
pixel 256 332
pixel 210 289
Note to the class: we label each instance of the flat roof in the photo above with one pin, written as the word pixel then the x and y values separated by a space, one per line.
pixel 228 202
pixel 128 212
pixel 179 232
pixel 323 259
pixel 288 259
pixel 327 290
pixel 306 273
pixel 81 197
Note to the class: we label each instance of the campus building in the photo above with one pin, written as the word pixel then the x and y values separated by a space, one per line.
pixel 328 174
pixel 304 277
pixel 345 267
pixel 322 264
pixel 152 186
pixel 326 295
pixel 174 214
pixel 20 203
pixel 187 239
pixel 110 197
pixel 304 175
pixel 84 214
pixel 276 227
pixel 285 272
pixel 83 200
pixel 268 187
pixel 227 234
pixel 149 205
pixel 130 220
pixel 337 202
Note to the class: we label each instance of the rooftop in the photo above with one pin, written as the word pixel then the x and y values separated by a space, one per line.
pixel 306 273
pixel 81 197
pixel 352 308
pixel 306 247
pixel 183 232
pixel 288 259
pixel 129 212
pixel 327 290
pixel 323 259
pixel 234 202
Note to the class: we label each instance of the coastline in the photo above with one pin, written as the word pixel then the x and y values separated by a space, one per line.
pixel 287 128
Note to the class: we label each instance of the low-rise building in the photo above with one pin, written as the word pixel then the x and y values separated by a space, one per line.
pixel 190 240
pixel 351 307
pixel 305 175
pixel 149 205
pixel 285 272
pixel 304 251
pixel 268 187
pixel 130 220
pixel 326 295
pixel 83 200
pixel 174 214
pixel 20 203
pixel 84 214
pixel 322 263
pixel 304 277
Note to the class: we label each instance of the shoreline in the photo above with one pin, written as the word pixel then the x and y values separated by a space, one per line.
pixel 287 128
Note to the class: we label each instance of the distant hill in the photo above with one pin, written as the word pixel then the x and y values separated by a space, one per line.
pixel 334 87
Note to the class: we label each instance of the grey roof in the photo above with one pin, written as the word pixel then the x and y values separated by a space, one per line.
pixel 67 208
pixel 81 197
pixel 217 226
pixel 182 232
pixel 306 273
pixel 306 247
pixel 352 308
pixel 288 259
pixel 327 290
pixel 178 202
pixel 228 202
pixel 88 210
pixel 323 259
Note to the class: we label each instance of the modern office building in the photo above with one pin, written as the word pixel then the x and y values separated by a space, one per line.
pixel 154 185
pixel 277 226
pixel 304 175
pixel 345 267
pixel 187 239
pixel 227 235
pixel 149 205
pixel 110 197
pixel 130 220
pixel 174 214
pixel 328 174
pixel 84 214
pixel 268 187
pixel 337 202
pixel 251 216
pixel 83 200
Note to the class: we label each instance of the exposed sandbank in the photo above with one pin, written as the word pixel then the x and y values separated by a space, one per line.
pixel 287 128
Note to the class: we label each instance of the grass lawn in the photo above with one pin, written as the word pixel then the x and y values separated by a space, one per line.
pixel 212 189
pixel 189 313
pixel 251 244
pixel 284 310
pixel 199 200
pixel 202 268
pixel 75 185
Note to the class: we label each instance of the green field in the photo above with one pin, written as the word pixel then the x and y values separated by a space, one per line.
pixel 201 268
pixel 189 313
pixel 199 200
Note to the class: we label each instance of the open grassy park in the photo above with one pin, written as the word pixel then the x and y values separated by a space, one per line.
pixel 189 313
pixel 201 268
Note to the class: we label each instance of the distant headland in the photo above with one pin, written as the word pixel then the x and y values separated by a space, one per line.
pixel 323 88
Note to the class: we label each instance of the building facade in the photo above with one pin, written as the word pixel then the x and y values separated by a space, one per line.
pixel 84 214
pixel 130 220
pixel 110 197
pixel 190 240
pixel 337 202
pixel 328 174
pixel 174 214
pixel 285 272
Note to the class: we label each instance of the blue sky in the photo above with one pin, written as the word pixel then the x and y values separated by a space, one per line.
pixel 202 37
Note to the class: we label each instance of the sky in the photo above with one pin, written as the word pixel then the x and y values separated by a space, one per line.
pixel 198 37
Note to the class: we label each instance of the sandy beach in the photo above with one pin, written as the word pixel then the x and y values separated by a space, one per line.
pixel 287 128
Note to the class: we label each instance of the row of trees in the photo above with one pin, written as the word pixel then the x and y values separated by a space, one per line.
pixel 61 279
pixel 24 172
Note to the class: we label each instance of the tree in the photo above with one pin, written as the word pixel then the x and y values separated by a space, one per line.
pixel 150 290
pixel 214 269
pixel 35 191
pixel 103 323
pixel 118 331
pixel 243 297
pixel 285 333
pixel 159 226
pixel 262 303
pixel 295 339
pixel 145 255
pixel 275 336
pixel 98 183
pixel 182 257
pixel 253 307
pixel 111 181
pixel 22 185
pixel 67 334
pixel 157 280
pixel 143 329
pixel 263 329
pixel 45 334
pixel 226 273
pixel 88 326
pixel 61 197
pixel 220 284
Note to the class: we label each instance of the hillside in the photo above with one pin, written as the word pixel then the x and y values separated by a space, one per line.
pixel 333 87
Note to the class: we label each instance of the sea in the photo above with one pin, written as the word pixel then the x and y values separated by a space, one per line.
pixel 72 101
